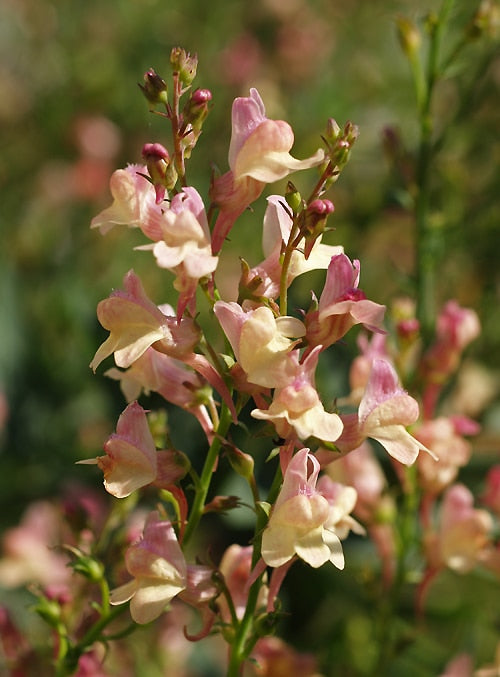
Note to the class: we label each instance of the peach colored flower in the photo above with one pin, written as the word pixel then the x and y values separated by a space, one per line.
pixel 297 409
pixel 260 341
pixel 158 568
pixel 258 154
pixel 384 412
pixel 131 458
pixel 341 305
pixel 297 522
pixel 135 323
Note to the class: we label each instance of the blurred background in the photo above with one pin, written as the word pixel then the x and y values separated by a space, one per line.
pixel 71 113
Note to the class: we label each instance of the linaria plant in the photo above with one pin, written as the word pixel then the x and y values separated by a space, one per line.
pixel 380 461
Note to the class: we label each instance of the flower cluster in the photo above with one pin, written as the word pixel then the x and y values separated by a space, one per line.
pixel 326 474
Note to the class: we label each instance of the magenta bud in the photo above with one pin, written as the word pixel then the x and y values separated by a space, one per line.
pixel 321 207
pixel 155 151
pixel 201 96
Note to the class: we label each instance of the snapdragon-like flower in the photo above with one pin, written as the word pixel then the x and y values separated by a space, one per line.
pixel 384 412
pixel 297 408
pixel 173 380
pixel 258 154
pixel 184 246
pixel 341 305
pixel 131 458
pixel 158 568
pixel 260 341
pixel 464 533
pixel 298 522
pixel 276 232
pixel 134 203
pixel 135 323
pixel 445 437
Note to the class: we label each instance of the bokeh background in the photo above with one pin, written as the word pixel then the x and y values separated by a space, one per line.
pixel 71 113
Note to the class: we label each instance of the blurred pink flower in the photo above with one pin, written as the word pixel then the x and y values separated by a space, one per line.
pixel 442 435
pixel 464 533
pixel 29 550
pixel 491 495
pixel 236 567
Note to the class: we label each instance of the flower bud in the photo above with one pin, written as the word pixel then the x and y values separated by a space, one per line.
pixel 293 198
pixel 241 463
pixel 161 170
pixel 316 215
pixel 222 504
pixel 154 88
pixel 197 108
pixel 184 64
pixel 332 130
pixel 409 36
pixel 49 610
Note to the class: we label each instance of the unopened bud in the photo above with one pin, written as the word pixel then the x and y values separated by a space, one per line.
pixel 409 36
pixel 293 198
pixel 315 218
pixel 154 88
pixel 332 130
pixel 241 463
pixel 49 610
pixel 184 64
pixel 161 170
pixel 222 504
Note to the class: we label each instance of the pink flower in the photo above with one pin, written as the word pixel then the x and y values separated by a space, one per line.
pixel 258 154
pixel 236 567
pixel 135 323
pixel 156 372
pixel 456 328
pixel 184 244
pixel 277 227
pixel 297 525
pixel 29 550
pixel 341 305
pixel 464 533
pixel 491 496
pixel 260 341
pixel 131 458
pixel 384 412
pixel 361 470
pixel 158 568
pixel 134 203
pixel 297 408
pixel 452 450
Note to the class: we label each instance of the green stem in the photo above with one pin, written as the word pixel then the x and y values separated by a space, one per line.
pixel 245 637
pixel 176 134
pixel 426 235
pixel 406 539
pixel 287 257
pixel 206 474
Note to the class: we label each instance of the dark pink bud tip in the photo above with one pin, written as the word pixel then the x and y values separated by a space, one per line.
pixel 200 96
pixel 322 207
pixel 154 150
